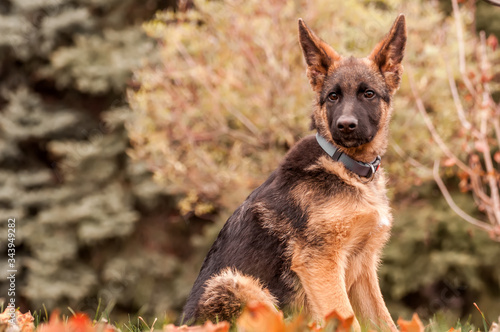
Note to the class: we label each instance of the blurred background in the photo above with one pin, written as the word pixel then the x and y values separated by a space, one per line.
pixel 131 129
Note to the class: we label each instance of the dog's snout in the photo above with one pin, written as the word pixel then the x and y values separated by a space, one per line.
pixel 347 124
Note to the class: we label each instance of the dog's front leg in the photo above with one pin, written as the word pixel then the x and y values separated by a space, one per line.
pixel 323 279
pixel 367 299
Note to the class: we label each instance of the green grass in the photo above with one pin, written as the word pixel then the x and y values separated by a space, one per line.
pixel 136 323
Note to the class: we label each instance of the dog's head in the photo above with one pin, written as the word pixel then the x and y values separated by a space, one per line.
pixel 354 94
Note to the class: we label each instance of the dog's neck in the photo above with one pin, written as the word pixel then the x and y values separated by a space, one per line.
pixel 369 151
pixel 365 153
pixel 362 169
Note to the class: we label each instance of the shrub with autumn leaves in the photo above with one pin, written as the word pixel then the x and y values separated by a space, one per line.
pixel 475 155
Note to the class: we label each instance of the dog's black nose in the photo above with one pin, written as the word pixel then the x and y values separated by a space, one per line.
pixel 347 124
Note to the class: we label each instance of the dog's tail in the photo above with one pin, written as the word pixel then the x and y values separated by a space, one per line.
pixel 227 293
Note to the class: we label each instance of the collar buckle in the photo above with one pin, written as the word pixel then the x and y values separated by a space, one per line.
pixel 370 176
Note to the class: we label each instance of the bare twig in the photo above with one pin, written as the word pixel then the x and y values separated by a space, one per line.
pixel 479 119
pixel 428 122
pixel 413 162
pixel 493 2
pixel 461 47
pixel 478 190
pixel 490 170
pixel 496 125
pixel 456 99
pixel 461 213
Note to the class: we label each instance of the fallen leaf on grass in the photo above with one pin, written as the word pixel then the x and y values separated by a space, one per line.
pixel 79 322
pixel 24 321
pixel 415 325
pixel 258 317
pixel 207 327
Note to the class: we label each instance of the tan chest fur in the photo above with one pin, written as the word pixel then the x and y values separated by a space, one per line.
pixel 350 229
pixel 351 217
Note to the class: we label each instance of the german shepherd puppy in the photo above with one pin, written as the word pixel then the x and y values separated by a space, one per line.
pixel 310 237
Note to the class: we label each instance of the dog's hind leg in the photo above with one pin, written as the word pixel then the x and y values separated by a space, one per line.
pixel 226 294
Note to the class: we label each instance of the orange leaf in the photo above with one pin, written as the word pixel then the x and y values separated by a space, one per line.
pixel 415 325
pixel 344 324
pixel 495 233
pixel 207 327
pixel 299 324
pixel 54 325
pixel 474 159
pixel 486 78
pixel 492 42
pixel 24 321
pixel 80 323
pixel 260 317
pixel 496 156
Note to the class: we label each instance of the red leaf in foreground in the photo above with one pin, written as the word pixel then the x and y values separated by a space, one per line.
pixel 79 322
pixel 54 325
pixel 260 317
pixel 207 327
pixel 492 42
pixel 415 325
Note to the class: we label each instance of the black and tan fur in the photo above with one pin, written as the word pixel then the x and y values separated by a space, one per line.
pixel 310 237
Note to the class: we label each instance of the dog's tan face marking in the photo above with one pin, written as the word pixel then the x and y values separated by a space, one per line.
pixel 353 95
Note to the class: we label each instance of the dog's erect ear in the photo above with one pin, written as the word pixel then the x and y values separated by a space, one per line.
pixel 318 54
pixel 388 54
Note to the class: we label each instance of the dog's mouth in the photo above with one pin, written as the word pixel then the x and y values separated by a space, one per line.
pixel 352 142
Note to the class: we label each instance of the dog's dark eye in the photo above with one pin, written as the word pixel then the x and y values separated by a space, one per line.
pixel 369 94
pixel 333 96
